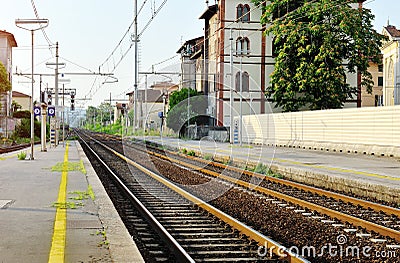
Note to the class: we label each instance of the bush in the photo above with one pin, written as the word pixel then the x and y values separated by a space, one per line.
pixel 23 130
pixel 23 114
pixel 261 169
pixel 21 155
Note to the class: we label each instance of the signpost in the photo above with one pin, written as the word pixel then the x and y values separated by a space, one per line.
pixel 51 111
pixel 36 111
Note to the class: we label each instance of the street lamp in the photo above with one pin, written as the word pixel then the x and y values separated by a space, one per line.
pixel 35 24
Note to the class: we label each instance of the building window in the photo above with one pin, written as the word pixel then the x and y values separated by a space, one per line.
pixel 378 100
pixel 380 81
pixel 243 13
pixel 242 46
pixel 239 12
pixel 380 68
pixel 245 81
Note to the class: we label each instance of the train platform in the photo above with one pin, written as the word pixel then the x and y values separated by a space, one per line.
pixel 366 175
pixel 55 209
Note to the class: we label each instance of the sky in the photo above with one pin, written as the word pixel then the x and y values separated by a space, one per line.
pixel 89 30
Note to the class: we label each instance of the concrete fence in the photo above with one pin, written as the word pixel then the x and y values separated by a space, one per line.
pixel 372 130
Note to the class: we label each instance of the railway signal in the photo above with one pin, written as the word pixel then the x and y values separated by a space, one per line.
pixel 72 101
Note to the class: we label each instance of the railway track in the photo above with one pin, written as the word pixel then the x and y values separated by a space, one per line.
pixel 372 216
pixel 273 215
pixel 13 148
pixel 194 234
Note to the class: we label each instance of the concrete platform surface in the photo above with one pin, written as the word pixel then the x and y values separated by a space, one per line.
pixel 54 209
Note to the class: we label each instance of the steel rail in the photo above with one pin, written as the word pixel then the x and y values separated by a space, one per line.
pixel 262 240
pixel 180 254
pixel 327 211
pixel 366 204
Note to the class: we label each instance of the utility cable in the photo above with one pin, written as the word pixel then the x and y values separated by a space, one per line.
pixel 51 44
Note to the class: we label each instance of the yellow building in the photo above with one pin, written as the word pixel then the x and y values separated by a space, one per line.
pixel 22 99
pixel 391 66
pixel 376 97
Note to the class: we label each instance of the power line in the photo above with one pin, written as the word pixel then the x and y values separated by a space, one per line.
pixel 43 31
pixel 123 53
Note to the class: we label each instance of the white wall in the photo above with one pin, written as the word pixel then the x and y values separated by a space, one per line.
pixel 372 130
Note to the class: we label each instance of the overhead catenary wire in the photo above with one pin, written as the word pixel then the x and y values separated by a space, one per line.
pixel 154 12
pixel 295 18
pixel 123 54
pixel 49 42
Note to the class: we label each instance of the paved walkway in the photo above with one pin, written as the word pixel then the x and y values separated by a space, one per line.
pixel 54 209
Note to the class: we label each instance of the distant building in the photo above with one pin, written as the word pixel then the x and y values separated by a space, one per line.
pixel 7 42
pixel 252 60
pixel 376 97
pixel 234 27
pixel 192 64
pixel 391 66
pixel 151 102
pixel 22 99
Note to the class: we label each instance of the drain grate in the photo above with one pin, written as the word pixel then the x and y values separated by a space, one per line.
pixel 84 224
pixel 4 204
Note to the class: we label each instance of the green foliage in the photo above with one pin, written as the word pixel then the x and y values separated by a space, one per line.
pixel 184 151
pixel 313 41
pixel 261 169
pixel 179 112
pixel 23 130
pixel 180 95
pixel 5 84
pixel 24 114
pixel 191 153
pixel 15 106
pixel 83 195
pixel 69 166
pixel 208 157
pixel 21 156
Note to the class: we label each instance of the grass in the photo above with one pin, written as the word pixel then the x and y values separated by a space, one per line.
pixel 21 156
pixel 71 166
pixel 81 195
pixel 104 235
pixel 191 153
pixel 208 157
pixel 66 205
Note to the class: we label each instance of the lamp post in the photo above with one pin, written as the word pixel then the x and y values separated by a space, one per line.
pixel 36 24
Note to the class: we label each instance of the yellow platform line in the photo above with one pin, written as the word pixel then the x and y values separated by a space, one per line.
pixel 57 251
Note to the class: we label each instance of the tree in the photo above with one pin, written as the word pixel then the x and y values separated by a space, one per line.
pixel 178 117
pixel 5 84
pixel 180 95
pixel 15 106
pixel 316 42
